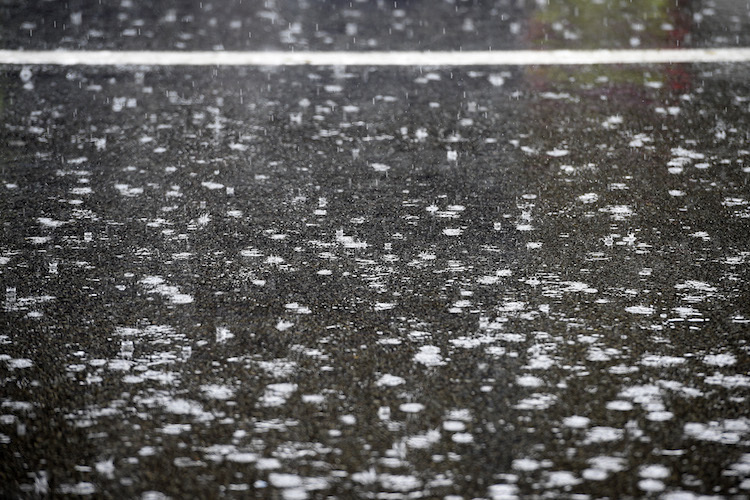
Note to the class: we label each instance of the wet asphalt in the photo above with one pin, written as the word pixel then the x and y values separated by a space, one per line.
pixel 315 282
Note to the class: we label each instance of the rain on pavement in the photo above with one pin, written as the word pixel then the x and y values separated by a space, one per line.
pixel 378 282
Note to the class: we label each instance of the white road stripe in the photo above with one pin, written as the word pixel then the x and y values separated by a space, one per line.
pixel 396 58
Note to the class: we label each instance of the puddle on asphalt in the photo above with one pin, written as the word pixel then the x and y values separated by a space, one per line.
pixel 388 283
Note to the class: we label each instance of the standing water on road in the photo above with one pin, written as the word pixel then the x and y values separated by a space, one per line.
pixel 309 282
pixel 388 283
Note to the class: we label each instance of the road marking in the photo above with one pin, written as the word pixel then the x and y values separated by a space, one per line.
pixel 397 58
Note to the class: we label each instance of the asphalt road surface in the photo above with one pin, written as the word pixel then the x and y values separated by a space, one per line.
pixel 375 282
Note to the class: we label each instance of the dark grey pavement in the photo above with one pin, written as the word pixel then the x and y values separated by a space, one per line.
pixel 313 282
pixel 372 25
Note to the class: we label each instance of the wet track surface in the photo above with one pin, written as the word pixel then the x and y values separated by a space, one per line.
pixel 317 282
pixel 373 25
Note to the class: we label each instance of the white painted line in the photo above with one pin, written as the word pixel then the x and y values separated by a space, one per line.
pixel 397 58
